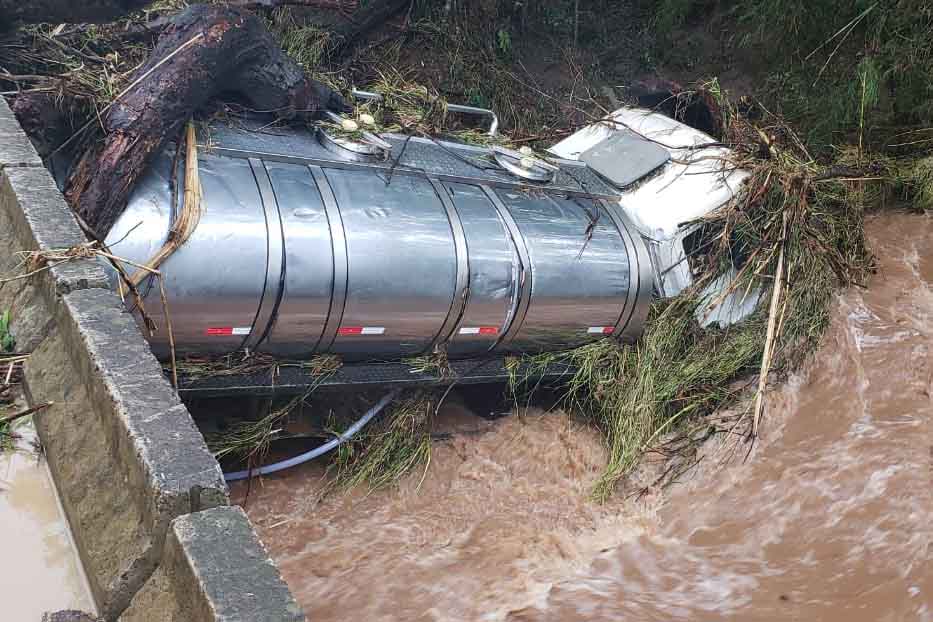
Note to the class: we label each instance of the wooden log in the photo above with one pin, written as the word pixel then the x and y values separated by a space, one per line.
pixel 210 49
pixel 13 12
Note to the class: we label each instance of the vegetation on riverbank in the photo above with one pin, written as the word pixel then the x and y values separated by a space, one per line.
pixel 844 121
pixel 798 224
pixel 387 449
pixel 7 344
pixel 802 209
pixel 853 72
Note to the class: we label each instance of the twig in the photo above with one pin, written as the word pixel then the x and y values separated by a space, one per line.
pixel 73 50
pixel 14 358
pixel 849 29
pixel 772 325
pixel 137 296
pixel 168 328
pixel 26 413
pixel 20 277
pixel 113 257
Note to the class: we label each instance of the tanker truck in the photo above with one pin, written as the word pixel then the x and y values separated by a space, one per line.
pixel 379 247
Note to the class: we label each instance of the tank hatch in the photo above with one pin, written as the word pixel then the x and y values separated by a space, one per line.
pixel 625 157
pixel 354 145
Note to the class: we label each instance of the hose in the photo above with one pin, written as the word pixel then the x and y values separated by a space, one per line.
pixel 339 440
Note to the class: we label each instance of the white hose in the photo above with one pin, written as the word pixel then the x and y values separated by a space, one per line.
pixel 317 451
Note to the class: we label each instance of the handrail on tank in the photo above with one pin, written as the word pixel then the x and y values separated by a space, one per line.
pixel 485 112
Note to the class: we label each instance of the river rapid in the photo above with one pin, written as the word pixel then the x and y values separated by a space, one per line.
pixel 829 517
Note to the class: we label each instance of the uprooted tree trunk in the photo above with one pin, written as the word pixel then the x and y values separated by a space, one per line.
pixel 13 12
pixel 201 53
pixel 205 51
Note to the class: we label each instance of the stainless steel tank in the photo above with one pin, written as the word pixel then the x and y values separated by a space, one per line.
pixel 304 249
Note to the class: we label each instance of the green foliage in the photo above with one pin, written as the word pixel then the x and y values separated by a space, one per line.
pixel 672 14
pixel 7 440
pixel 504 40
pixel 390 447
pixel 305 43
pixel 679 372
pixel 915 177
pixel 7 343
pixel 676 372
pixel 857 66
pixel 843 71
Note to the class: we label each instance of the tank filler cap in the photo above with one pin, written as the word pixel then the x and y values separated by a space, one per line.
pixel 524 165
pixel 367 147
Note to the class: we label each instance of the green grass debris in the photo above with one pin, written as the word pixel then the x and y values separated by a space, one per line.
pixel 390 447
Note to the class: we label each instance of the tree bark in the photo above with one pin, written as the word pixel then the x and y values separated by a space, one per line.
pixel 222 50
pixel 14 12
pixel 202 52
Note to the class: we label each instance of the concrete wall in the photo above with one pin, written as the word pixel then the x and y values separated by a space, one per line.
pixel 124 452
pixel 216 543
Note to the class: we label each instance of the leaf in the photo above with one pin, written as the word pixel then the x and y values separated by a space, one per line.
pixel 6 339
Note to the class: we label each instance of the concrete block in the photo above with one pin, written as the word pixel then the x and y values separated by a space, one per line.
pixel 125 452
pixel 33 215
pixel 132 471
pixel 15 148
pixel 214 569
pixel 36 217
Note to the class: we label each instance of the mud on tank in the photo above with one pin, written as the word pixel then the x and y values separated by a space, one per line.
pixel 311 244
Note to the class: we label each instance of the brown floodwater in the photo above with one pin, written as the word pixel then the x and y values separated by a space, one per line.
pixel 39 568
pixel 828 518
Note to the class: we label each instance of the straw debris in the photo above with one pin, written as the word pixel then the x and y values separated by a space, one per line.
pixel 244 363
pixel 249 440
pixel 434 364
pixel 390 447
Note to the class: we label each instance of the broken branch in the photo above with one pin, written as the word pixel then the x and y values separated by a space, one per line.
pixel 26 413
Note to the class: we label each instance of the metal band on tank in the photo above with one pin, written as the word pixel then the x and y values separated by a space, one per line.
pixel 275 258
pixel 638 299
pixel 341 267
pixel 463 266
pixel 525 275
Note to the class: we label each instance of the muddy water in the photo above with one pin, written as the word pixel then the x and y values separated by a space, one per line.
pixel 38 566
pixel 828 519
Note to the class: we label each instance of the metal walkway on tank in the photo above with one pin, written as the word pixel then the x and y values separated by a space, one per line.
pixel 291 380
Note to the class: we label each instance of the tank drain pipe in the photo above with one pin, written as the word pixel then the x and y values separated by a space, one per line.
pixel 339 440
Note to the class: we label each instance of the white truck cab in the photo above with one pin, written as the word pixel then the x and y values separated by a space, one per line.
pixel 668 174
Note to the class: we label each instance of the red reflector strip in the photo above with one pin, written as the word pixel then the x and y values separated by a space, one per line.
pixel 479 330
pixel 600 330
pixel 226 331
pixel 361 330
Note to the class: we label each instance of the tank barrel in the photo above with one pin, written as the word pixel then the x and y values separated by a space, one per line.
pixel 302 250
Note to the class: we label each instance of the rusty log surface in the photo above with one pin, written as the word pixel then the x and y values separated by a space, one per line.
pixel 212 49
pixel 14 12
